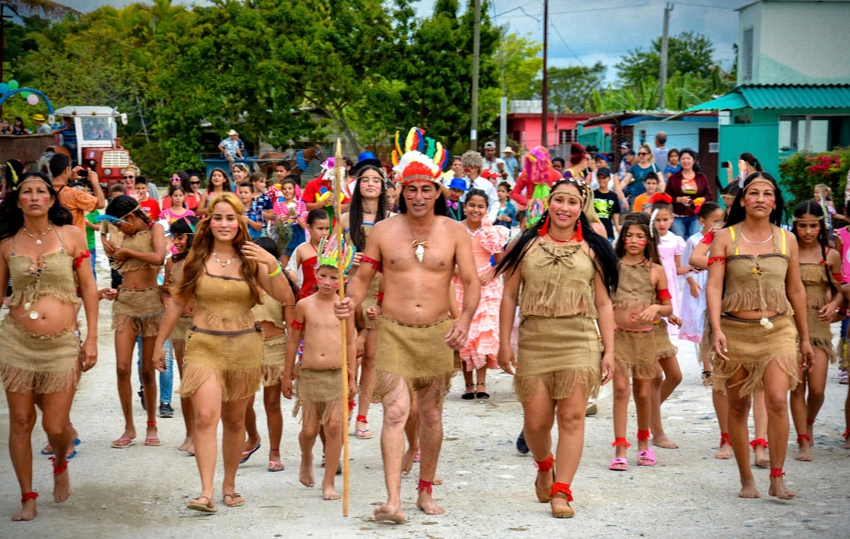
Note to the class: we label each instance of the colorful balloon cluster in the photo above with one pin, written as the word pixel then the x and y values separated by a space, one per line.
pixel 12 85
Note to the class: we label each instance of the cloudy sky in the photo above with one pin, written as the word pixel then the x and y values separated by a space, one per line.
pixel 582 32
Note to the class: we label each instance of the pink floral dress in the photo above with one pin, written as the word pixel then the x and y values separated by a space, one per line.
pixel 482 344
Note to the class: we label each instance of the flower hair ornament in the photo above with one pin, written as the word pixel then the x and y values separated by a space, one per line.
pixel 329 254
pixel 419 158
pixel 661 197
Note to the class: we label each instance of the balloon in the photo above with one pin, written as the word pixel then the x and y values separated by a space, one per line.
pixel 3 88
pixel 13 85
pixel 25 94
pixel 32 99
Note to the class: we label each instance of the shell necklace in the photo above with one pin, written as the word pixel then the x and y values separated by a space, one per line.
pixel 37 240
pixel 224 263
pixel 419 246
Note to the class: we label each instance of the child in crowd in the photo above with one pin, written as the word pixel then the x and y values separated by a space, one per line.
pixel 673 165
pixel 253 218
pixel 643 202
pixel 641 298
pixel 319 380
pixel 301 266
pixel 842 245
pixel 507 211
pixel 290 211
pixel 454 206
pixel 92 225
pixel 670 249
pixel 392 198
pixel 149 205
pixel 711 217
pixel 177 209
pixel 606 204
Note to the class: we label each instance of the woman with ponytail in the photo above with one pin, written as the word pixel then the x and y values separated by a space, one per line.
pixel 567 273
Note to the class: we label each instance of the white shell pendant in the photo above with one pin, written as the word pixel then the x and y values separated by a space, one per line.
pixel 767 324
pixel 27 306
pixel 419 252
pixel 33 315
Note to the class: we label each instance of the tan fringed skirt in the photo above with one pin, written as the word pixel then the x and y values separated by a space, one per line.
pixel 318 394
pixel 416 354
pixel 39 363
pixel 371 300
pixel 179 331
pixel 235 358
pixel 752 347
pixel 141 308
pixel 560 352
pixel 820 334
pixel 663 345
pixel 635 350
pixel 274 358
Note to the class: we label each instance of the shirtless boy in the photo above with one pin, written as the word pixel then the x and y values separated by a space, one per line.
pixel 418 251
pixel 319 388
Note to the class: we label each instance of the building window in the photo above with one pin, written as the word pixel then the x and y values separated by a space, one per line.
pixel 824 133
pixel 747 56
pixel 566 136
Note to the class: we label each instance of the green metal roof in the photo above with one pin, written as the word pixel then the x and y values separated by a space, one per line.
pixel 781 96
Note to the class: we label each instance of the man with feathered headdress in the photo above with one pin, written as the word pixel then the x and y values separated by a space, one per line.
pixel 417 252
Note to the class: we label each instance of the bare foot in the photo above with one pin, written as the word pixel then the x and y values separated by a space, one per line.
pixel 27 512
pixel 388 512
pixel 805 452
pixel 749 490
pixel 329 492
pixel 61 486
pixel 661 440
pixel 778 489
pixel 437 481
pixel 724 453
pixel 407 462
pixel 847 443
pixel 306 473
pixel 187 445
pixel 761 460
pixel 427 504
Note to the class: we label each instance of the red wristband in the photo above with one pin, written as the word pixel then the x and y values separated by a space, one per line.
pixel 708 238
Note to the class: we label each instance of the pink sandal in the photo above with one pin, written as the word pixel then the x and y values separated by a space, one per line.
pixel 619 465
pixel 646 457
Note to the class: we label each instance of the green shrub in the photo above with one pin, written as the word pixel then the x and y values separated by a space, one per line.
pixel 802 171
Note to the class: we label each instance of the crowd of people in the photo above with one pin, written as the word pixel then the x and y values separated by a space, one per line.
pixel 564 273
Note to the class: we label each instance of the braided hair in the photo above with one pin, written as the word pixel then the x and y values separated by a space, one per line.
pixel 812 207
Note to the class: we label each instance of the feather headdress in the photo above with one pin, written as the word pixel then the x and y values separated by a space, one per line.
pixel 417 157
pixel 328 254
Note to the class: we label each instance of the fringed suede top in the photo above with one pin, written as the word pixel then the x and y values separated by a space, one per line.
pixel 270 310
pixel 224 303
pixel 757 283
pixel 141 242
pixel 635 290
pixel 54 276
pixel 557 282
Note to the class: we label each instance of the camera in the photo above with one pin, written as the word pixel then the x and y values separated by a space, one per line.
pixel 83 173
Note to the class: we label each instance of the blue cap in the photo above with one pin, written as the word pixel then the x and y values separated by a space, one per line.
pixel 458 183
pixel 365 155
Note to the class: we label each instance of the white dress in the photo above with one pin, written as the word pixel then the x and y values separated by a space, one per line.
pixel 693 309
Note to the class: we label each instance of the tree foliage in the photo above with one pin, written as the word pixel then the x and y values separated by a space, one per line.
pixel 687 53
pixel 571 88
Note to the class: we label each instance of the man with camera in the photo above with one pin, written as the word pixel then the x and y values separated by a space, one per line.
pixel 68 184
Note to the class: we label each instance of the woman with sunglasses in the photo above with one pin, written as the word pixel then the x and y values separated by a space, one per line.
pixel 632 184
pixel 194 193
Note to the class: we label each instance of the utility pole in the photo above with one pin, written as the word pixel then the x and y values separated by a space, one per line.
pixel 476 42
pixel 503 109
pixel 662 76
pixel 544 113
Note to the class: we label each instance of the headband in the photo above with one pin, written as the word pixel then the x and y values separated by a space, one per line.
pixel 581 185
pixel 32 179
pixel 758 180
pixel 801 220
pixel 134 210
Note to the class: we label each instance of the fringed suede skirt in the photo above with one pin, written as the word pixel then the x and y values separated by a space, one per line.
pixel 820 334
pixel 415 353
pixel 318 394
pixel 235 358
pixel 560 352
pixel 39 363
pixel 663 345
pixel 753 347
pixel 274 358
pixel 141 308
pixel 635 350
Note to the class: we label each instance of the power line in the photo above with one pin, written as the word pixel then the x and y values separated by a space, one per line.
pixel 564 41
pixel 600 9
pixel 516 9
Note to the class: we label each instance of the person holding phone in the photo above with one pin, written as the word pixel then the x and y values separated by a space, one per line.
pixel 76 201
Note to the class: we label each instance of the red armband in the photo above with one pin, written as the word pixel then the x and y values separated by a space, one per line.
pixel 79 260
pixel 837 276
pixel 713 259
pixel 708 238
pixel 371 261
pixel 663 294
pixel 297 325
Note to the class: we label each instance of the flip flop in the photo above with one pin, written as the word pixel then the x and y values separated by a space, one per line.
pixel 204 508
pixel 247 454
pixel 273 466
pixel 646 457
pixel 233 497
pixel 152 441
pixel 123 443
pixel 619 465
pixel 418 456
pixel 364 434
pixel 48 449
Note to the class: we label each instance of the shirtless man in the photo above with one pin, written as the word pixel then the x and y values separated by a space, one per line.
pixel 417 251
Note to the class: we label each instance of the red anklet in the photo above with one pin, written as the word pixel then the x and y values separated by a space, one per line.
pixel 758 442
pixel 846 434
pixel 362 419
pixel 725 439
pixel 59 469
pixel 351 405
pixel 151 423
pixel 802 437
pixel 811 421
pixel 26 496
pixel 563 488
pixel 776 472
pixel 426 486
pixel 545 465
pixel 621 441
pixel 643 435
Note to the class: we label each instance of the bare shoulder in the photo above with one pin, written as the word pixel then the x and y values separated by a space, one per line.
pixel 450 226
pixel 833 258
pixel 74 238
pixel 345 219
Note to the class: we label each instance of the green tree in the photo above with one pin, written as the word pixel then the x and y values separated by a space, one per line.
pixel 687 53
pixel 520 66
pixel 571 88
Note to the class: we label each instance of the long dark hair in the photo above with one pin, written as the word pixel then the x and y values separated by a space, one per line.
pixel 355 212
pixel 813 208
pixel 184 225
pixel 271 247
pixel 11 216
pixel 439 206
pixel 737 213
pixel 640 220
pixel 605 260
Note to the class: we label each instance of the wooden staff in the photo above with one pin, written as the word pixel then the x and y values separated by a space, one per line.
pixel 339 186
